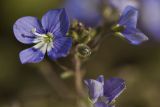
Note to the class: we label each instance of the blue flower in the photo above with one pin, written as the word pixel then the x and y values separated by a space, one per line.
pixel 120 5
pixel 128 24
pixel 150 15
pixel 103 92
pixel 86 11
pixel 48 35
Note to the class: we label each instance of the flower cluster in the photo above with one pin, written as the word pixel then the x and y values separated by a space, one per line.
pixel 54 35
pixel 104 92
pixel 49 34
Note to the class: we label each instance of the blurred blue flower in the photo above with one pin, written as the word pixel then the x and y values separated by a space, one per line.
pixel 86 11
pixel 103 92
pixel 128 23
pixel 49 35
pixel 150 13
pixel 122 4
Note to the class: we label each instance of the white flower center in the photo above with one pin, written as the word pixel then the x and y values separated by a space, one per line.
pixel 45 38
pixel 44 41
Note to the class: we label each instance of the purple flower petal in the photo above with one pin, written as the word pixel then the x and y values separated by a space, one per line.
pixel 134 36
pixel 129 17
pixel 23 29
pixel 56 22
pixel 59 48
pixel 95 89
pixel 113 88
pixel 34 54
pixel 100 104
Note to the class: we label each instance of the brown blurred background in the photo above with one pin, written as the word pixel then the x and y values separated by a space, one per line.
pixel 23 86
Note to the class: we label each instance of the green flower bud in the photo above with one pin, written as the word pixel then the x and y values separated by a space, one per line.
pixel 74 35
pixel 80 33
pixel 87 35
pixel 83 50
pixel 74 24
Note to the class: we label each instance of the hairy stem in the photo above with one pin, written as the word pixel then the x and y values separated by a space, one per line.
pixel 79 73
pixel 78 77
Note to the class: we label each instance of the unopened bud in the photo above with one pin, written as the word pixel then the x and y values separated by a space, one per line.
pixel 83 50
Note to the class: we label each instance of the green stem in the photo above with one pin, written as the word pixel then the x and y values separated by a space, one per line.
pixel 79 83
pixel 78 77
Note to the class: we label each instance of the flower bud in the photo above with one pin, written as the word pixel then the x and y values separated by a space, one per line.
pixel 81 33
pixel 83 50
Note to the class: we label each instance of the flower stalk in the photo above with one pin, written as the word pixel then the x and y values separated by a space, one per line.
pixel 78 76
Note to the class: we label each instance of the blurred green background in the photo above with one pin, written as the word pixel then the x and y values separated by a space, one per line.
pixel 23 86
